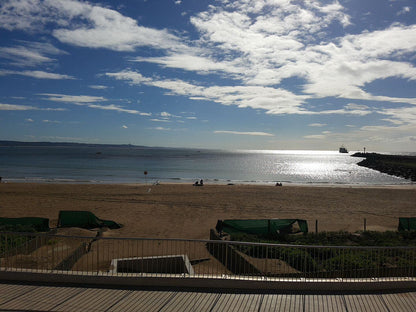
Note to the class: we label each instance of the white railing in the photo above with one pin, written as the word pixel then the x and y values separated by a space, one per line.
pixel 201 258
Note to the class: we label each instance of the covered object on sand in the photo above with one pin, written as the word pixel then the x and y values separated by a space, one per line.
pixel 39 224
pixel 261 226
pixel 407 224
pixel 84 219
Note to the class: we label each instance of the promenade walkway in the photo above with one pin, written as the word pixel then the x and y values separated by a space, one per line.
pixel 31 297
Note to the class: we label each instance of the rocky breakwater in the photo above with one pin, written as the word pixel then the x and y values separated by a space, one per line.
pixel 396 165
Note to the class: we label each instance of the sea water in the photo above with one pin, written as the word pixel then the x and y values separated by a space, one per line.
pixel 128 164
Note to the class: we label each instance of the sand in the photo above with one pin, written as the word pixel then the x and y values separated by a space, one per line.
pixel 186 211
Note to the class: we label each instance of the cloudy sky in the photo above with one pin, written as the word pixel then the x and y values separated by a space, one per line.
pixel 241 74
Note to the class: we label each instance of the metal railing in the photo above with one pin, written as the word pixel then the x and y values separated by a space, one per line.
pixel 182 258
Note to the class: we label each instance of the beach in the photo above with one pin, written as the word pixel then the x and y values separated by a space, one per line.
pixel 186 211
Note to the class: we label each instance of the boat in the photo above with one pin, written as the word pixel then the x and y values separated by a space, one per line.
pixel 342 149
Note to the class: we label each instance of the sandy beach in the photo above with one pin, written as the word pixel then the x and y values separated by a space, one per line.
pixel 185 211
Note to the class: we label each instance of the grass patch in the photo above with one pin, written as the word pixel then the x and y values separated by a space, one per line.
pixel 340 238
pixel 14 240
pixel 340 262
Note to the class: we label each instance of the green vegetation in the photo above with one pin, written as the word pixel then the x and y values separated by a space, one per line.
pixel 17 228
pixel 367 238
pixel 340 262
pixel 8 241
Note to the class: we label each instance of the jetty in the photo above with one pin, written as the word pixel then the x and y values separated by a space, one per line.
pixel 397 165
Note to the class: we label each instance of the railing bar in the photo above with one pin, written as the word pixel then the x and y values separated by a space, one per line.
pixel 216 241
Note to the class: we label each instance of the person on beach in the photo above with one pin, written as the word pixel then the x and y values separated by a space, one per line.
pixel 199 183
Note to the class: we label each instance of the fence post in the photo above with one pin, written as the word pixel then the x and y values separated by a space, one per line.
pixel 316 226
pixel 98 255
pixel 365 224
pixel 53 255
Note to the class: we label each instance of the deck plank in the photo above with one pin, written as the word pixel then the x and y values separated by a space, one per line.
pixel 282 302
pixel 9 292
pixel 365 303
pixel 41 298
pixel 324 302
pixel 191 302
pixel 143 300
pixel 400 302
pixel 238 302
pixel 92 299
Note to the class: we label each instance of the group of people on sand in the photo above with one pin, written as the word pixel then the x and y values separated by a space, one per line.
pixel 199 183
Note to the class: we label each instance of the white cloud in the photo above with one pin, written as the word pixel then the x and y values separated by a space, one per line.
pixel 29 53
pixel 161 129
pixel 83 24
pixel 243 133
pixel 90 101
pixel 165 114
pixel 118 109
pixel 98 87
pixel 51 121
pixel 124 127
pixel 262 43
pixel 12 107
pixel 349 109
pixel 315 136
pixel 406 115
pixel 36 74
pixel 22 56
pixel 133 77
pixel 274 101
pixel 404 10
pixel 354 106
pixel 29 120
pixel 342 70
pixel 75 99
pixel 192 62
pixel 160 120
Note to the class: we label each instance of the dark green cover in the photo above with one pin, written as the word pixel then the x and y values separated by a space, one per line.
pixel 39 224
pixel 408 224
pixel 260 226
pixel 84 219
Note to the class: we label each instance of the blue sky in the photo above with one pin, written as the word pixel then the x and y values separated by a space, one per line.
pixel 270 74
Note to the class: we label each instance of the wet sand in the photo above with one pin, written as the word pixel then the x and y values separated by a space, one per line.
pixel 186 211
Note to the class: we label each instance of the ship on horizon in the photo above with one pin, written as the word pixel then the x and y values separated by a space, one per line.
pixel 342 149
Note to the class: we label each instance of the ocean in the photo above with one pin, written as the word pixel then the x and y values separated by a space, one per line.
pixel 128 164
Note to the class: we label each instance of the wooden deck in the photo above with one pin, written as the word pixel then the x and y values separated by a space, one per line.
pixel 22 297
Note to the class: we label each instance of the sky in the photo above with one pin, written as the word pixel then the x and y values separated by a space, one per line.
pixel 241 74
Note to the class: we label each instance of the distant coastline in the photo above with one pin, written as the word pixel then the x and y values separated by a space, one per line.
pixel 70 144
pixel 395 165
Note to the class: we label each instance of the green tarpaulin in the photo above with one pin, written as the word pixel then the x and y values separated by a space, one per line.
pixel 39 224
pixel 407 224
pixel 84 219
pixel 260 226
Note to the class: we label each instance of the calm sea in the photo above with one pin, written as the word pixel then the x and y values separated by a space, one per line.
pixel 128 164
